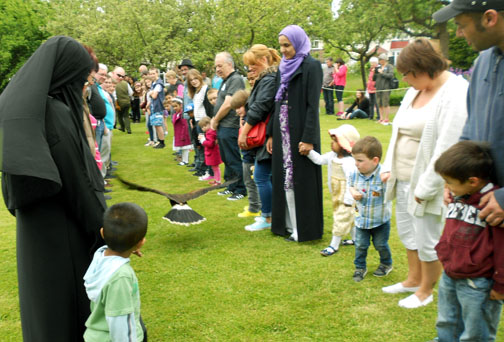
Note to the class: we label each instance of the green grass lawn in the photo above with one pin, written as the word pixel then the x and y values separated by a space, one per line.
pixel 217 282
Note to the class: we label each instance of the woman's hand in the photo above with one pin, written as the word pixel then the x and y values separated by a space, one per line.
pixel 305 148
pixel 269 145
pixel 492 212
pixel 242 141
pixel 385 176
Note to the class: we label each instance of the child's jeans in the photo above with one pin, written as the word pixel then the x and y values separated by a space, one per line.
pixel 253 194
pixel 380 236
pixel 465 310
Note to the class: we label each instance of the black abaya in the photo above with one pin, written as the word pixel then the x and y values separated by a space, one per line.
pixel 51 183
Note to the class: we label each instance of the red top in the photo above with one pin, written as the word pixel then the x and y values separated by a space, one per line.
pixel 340 76
pixel 180 130
pixel 212 153
pixel 469 247
pixel 371 88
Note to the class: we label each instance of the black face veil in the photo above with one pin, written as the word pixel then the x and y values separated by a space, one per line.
pixel 58 68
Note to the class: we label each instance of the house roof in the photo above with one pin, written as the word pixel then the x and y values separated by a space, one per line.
pixel 398 44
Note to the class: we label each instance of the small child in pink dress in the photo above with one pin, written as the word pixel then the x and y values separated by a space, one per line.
pixel 212 154
pixel 181 138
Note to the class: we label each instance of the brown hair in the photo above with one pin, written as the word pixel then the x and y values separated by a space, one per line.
pixel 239 99
pixel 92 54
pixel 466 159
pixel 370 146
pixel 259 51
pixel 192 74
pixel 420 57
pixel 339 60
pixel 204 121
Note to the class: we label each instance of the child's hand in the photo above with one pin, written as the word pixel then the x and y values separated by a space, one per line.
pixel 494 295
pixel 138 253
pixel 357 195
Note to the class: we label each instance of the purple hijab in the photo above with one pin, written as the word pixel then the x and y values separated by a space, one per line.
pixel 301 43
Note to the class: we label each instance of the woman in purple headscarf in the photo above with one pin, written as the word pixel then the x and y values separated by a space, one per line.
pixel 293 132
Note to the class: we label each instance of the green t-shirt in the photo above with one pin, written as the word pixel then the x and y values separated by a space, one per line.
pixel 120 296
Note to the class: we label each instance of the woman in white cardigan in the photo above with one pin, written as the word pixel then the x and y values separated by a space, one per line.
pixel 430 120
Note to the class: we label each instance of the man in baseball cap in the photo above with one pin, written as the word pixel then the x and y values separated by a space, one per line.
pixel 481 23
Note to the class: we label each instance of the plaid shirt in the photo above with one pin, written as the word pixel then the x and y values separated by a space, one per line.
pixel 373 209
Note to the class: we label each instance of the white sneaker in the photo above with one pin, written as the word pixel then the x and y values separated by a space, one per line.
pixel 399 288
pixel 412 302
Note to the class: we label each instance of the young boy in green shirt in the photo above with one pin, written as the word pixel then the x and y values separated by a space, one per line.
pixel 111 283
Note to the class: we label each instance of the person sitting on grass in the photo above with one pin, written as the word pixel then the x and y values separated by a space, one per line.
pixel 208 140
pixel 362 111
pixel 471 288
pixel 340 164
pixel 110 281
pixel 373 220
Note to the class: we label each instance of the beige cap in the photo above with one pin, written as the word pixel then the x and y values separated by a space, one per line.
pixel 383 56
pixel 346 135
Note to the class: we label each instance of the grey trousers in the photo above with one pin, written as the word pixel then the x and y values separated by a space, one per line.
pixel 253 194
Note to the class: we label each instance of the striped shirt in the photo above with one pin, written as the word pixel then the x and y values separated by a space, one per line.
pixel 373 209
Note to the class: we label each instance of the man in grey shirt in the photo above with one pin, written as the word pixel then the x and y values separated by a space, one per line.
pixel 227 124
pixel 328 86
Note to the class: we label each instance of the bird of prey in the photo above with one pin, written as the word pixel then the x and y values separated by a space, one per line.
pixel 180 213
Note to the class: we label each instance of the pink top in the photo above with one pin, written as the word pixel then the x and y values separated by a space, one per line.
pixel 340 76
pixel 180 130
pixel 371 88
pixel 212 153
pixel 180 90
pixel 97 156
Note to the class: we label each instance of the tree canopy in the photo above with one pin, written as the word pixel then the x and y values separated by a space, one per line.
pixel 21 33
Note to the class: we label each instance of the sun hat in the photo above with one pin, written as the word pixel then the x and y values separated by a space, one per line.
pixel 189 108
pixel 383 56
pixel 457 7
pixel 346 135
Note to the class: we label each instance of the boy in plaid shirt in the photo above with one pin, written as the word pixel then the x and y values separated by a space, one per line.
pixel 373 220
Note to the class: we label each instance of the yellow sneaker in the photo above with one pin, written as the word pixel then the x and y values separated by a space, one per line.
pixel 247 213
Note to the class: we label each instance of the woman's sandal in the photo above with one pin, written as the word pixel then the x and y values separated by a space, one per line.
pixel 348 242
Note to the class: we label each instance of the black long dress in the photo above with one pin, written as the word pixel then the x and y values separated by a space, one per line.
pixel 51 183
pixel 303 105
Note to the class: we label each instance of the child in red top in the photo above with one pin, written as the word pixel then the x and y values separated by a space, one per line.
pixel 472 286
pixel 181 138
pixel 212 154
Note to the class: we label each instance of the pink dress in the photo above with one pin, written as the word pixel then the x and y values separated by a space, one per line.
pixel 212 153
pixel 97 156
pixel 181 139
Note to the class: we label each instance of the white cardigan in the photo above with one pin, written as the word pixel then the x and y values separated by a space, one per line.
pixel 442 129
pixel 347 163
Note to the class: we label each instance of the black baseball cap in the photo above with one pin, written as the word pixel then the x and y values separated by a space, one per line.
pixel 464 6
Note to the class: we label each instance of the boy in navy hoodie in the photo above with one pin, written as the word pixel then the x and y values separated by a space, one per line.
pixel 111 283
pixel 471 251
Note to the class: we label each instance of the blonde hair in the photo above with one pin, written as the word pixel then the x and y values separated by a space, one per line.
pixel 211 91
pixel 171 74
pixel 192 74
pixel 204 121
pixel 258 51
pixel 239 99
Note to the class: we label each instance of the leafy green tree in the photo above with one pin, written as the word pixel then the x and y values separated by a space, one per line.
pixel 161 33
pixel 21 33
pixel 359 25
pixel 461 55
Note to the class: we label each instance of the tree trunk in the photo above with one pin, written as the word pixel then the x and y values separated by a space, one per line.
pixel 363 71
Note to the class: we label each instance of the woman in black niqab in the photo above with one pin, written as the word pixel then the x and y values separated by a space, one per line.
pixel 51 183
